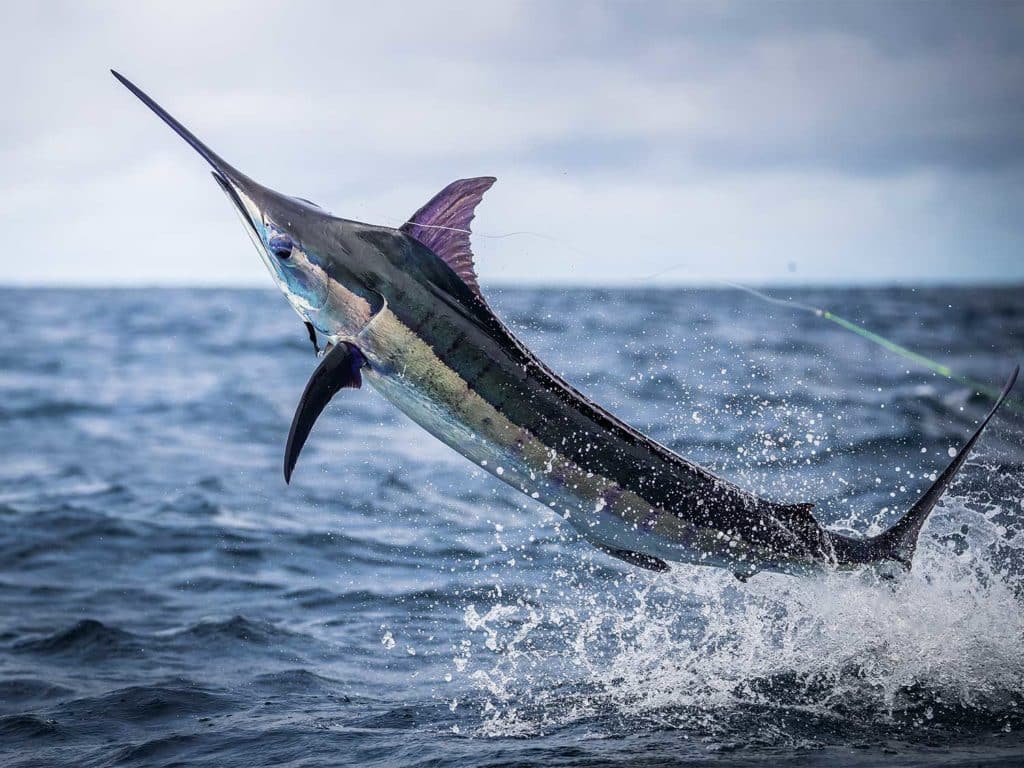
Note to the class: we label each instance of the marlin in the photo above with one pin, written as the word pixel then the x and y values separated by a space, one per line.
pixel 402 309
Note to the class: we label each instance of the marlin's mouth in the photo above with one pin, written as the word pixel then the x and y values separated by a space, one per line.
pixel 232 193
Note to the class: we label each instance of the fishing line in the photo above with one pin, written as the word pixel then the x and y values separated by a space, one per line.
pixel 1014 404
pixel 502 236
pixel 879 340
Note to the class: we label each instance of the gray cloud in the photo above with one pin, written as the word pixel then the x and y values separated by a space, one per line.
pixel 855 87
pixel 860 140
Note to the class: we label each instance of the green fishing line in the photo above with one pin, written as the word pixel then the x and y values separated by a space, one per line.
pixel 945 371
pixel 892 346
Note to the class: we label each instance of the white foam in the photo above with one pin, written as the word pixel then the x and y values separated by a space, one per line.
pixel 695 640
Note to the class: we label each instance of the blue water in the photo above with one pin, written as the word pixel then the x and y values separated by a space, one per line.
pixel 165 599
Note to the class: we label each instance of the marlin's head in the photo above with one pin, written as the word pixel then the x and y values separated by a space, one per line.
pixel 299 243
pixel 275 225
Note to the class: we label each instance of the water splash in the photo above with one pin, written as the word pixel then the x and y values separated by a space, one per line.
pixel 939 647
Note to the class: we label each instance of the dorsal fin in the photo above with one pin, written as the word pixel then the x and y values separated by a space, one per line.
pixel 443 225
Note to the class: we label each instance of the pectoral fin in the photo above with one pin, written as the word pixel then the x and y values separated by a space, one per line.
pixel 338 369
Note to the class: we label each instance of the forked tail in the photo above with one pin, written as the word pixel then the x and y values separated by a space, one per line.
pixel 899 542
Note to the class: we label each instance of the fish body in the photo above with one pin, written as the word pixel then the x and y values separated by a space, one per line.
pixel 451 366
pixel 402 309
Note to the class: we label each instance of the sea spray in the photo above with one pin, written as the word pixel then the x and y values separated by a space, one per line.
pixel 938 644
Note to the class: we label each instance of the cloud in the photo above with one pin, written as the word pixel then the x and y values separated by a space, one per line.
pixel 854 141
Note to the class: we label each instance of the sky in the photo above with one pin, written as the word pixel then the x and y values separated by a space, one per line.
pixel 634 143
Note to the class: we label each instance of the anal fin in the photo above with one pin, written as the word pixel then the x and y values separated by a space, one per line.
pixel 640 560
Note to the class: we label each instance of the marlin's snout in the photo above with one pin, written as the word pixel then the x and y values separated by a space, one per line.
pixel 266 215
pixel 236 184
pixel 226 171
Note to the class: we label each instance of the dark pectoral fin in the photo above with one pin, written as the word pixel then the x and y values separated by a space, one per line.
pixel 338 369
pixel 640 560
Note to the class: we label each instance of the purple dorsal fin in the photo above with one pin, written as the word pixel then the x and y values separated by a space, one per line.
pixel 443 225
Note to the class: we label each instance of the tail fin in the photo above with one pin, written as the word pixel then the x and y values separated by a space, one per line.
pixel 899 542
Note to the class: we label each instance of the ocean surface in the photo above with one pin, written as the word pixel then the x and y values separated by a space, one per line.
pixel 165 598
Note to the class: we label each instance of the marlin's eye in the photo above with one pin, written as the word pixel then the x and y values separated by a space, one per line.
pixel 281 246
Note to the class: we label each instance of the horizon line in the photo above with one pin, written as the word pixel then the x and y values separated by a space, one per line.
pixel 707 284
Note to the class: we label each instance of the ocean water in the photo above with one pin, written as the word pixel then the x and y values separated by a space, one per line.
pixel 165 599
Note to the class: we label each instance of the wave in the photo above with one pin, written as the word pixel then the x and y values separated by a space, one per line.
pixel 23 692
pixel 167 700
pixel 235 630
pixel 87 639
pixel 27 727
pixel 302 682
